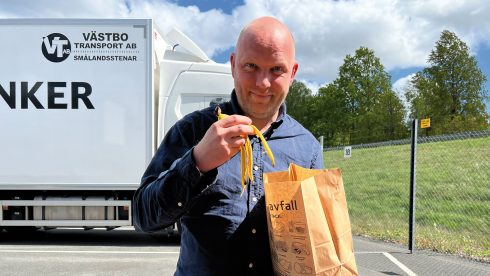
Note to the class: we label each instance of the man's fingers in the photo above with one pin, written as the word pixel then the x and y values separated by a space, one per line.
pixel 233 120
pixel 236 142
pixel 222 141
pixel 240 130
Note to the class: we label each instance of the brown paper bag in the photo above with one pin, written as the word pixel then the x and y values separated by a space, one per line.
pixel 308 221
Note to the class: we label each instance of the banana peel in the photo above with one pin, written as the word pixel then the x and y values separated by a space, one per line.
pixel 246 154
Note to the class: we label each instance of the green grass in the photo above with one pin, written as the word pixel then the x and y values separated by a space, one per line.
pixel 453 194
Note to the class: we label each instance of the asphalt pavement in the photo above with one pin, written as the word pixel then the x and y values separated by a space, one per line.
pixel 126 252
pixel 375 258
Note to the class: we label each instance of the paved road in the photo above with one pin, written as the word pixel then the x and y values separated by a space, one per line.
pixel 126 252
pixel 96 252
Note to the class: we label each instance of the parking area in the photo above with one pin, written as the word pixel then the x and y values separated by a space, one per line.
pixel 126 252
pixel 379 258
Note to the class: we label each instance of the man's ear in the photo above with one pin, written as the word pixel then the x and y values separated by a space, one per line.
pixel 293 72
pixel 232 63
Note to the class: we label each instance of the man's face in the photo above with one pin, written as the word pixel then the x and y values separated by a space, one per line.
pixel 263 70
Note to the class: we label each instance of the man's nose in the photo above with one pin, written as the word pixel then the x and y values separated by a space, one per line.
pixel 263 80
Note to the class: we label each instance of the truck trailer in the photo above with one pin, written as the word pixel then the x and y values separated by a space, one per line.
pixel 84 105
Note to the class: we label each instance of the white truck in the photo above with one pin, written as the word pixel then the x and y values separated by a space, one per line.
pixel 83 106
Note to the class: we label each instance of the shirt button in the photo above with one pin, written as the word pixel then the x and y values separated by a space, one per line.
pixel 250 265
pixel 254 199
pixel 256 167
pixel 254 231
pixel 179 204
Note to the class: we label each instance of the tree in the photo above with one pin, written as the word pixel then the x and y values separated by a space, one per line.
pixel 393 119
pixel 330 116
pixel 451 90
pixel 298 103
pixel 373 112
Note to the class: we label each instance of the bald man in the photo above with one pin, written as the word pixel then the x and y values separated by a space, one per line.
pixel 195 175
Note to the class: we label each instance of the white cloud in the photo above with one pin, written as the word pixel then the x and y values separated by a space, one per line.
pixel 402 83
pixel 64 9
pixel 401 33
pixel 400 86
pixel 210 30
pixel 312 85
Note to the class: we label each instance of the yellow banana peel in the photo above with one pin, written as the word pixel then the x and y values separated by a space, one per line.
pixel 246 154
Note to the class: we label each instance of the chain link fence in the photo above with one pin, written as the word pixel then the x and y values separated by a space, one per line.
pixel 452 207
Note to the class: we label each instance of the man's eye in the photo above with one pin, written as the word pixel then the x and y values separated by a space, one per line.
pixel 277 69
pixel 250 66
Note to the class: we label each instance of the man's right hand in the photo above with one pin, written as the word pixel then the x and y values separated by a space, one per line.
pixel 222 141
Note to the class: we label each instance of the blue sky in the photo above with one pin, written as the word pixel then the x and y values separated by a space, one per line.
pixel 401 33
pixel 227 6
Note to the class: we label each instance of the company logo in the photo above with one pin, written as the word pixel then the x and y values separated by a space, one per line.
pixel 56 47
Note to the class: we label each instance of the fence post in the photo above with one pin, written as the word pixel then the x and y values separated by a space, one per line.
pixel 413 163
pixel 321 142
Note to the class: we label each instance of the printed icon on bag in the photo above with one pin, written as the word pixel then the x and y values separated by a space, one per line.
pixel 285 264
pixel 297 227
pixel 302 268
pixel 278 227
pixel 274 257
pixel 282 245
pixel 300 249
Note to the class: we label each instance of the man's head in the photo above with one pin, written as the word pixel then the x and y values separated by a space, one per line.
pixel 263 67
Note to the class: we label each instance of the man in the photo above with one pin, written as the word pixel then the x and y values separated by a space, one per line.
pixel 195 176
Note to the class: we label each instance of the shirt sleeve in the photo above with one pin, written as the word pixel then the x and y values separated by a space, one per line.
pixel 317 161
pixel 171 181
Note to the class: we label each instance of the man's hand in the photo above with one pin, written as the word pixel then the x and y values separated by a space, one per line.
pixel 221 141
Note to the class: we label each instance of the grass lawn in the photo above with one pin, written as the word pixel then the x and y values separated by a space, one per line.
pixel 453 194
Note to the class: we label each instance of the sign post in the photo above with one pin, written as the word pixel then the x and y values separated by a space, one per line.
pixel 347 152
pixel 411 211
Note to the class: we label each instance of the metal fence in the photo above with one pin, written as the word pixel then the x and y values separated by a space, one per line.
pixel 452 207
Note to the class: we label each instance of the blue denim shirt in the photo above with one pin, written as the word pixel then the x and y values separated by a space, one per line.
pixel 224 232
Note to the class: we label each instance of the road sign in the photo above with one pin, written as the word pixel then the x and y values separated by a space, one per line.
pixel 425 123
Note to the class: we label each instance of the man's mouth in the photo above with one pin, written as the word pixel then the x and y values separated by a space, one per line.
pixel 261 95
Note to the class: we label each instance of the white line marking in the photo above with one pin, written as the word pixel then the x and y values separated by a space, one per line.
pixel 399 264
pixel 85 251
pixel 369 252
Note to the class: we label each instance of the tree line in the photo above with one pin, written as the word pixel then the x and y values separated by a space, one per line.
pixel 360 106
